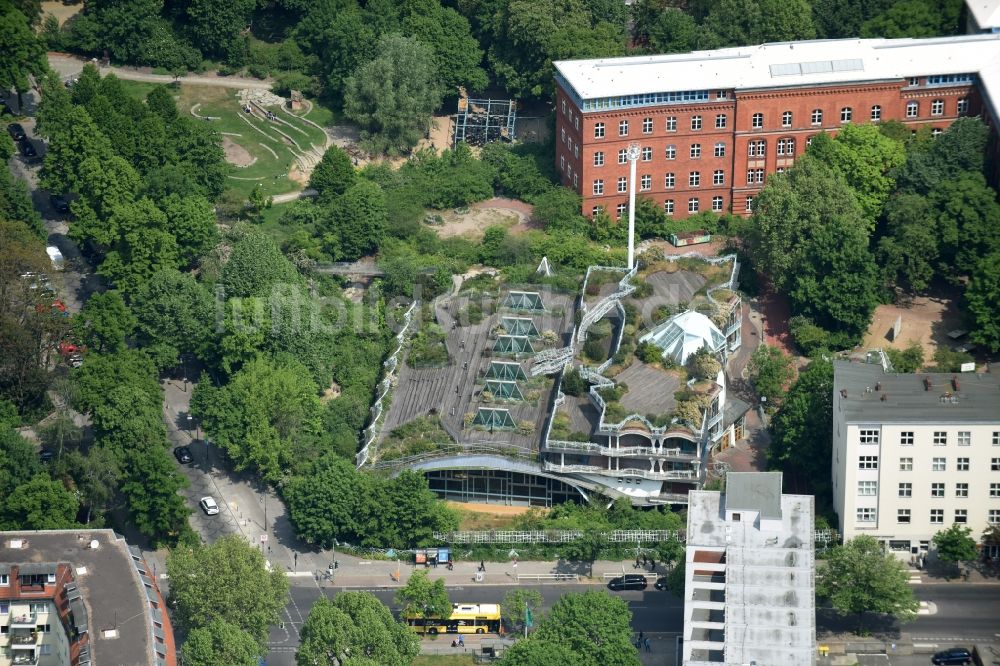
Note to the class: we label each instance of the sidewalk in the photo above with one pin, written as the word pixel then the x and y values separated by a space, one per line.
pixel 366 574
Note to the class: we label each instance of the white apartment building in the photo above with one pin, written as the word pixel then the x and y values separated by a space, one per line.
pixel 914 453
pixel 749 590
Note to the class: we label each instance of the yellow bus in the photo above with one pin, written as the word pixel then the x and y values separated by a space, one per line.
pixel 464 619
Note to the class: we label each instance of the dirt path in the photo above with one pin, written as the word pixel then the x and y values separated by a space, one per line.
pixel 70 65
pixel 515 215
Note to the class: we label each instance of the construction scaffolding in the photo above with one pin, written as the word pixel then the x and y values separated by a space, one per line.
pixel 480 121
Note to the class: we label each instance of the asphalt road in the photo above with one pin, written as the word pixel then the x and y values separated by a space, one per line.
pixel 964 613
pixel 653 612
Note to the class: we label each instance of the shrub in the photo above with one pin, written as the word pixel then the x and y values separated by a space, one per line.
pixel 647 352
pixel 910 359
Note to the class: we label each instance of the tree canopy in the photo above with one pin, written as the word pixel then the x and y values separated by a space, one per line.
pixel 861 577
pixel 226 581
pixel 355 627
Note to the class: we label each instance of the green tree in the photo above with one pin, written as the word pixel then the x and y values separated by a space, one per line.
pixel 39 504
pixel 836 19
pixel 357 222
pixel 150 486
pixel 770 371
pixel 19 462
pixel 21 52
pixel 457 55
pixel 262 415
pixel 105 322
pixel 811 239
pixel 982 297
pixel 226 581
pixel 516 603
pixel 586 548
pixel 865 158
pixel 328 502
pixel 915 18
pixel 355 628
pixel 910 359
pixel 909 249
pixel 594 625
pixel 955 544
pixel 217 25
pixel 802 431
pixel 174 315
pixel 968 221
pixel 861 577
pixel 221 643
pixel 422 597
pixel 393 96
pixel 743 22
pixel 256 265
pixel 536 652
pixel 191 220
pixel 334 173
pixel 97 475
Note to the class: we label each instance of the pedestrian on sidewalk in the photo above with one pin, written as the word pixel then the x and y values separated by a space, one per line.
pixel 640 636
pixel 648 648
pixel 461 641
pixel 482 565
pixel 636 565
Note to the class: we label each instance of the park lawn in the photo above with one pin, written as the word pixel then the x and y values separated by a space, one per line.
pixel 443 660
pixel 275 156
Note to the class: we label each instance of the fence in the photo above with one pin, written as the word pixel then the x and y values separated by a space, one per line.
pixel 824 537
pixel 385 386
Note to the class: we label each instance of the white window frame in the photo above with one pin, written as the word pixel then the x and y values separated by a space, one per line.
pixel 598 130
pixel 846 114
pixel 622 184
pixel 717 204
pixel 669 180
pixel 937 516
pixel 668 206
pixel 647 125
pixel 720 150
pixel 937 107
pixel 720 121
pixel 622 128
pixel 598 187
pixel 905 489
pixel 903 513
pixel 816 117
pixel 939 464
pixel 694 179
pixel 867 488
pixel 906 438
pixel 757 121
pixel 671 123
pixel 961 516
pixel 962 464
pixel 867 462
pixel 937 490
pixel 623 156
pixel 719 177
pixel 786 119
pixel 645 182
pixel 962 490
pixel 865 514
pixel 695 123
pixel 868 436
pixel 876 113
pixel 963 106
pixel 906 464
pixel 694 205
pixel 599 158
pixel 940 438
pixel 965 438
pixel 749 206
pixel 912 109
pixel 647 154
pixel 670 152
pixel 695 151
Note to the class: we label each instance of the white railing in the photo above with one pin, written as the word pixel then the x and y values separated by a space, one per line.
pixel 614 451
pixel 556 536
pixel 554 576
pixel 373 430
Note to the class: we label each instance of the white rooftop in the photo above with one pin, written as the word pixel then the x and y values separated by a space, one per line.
pixel 986 12
pixel 789 64
pixel 684 334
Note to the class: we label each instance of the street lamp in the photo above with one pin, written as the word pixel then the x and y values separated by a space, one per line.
pixel 633 155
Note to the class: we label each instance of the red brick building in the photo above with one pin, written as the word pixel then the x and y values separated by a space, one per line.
pixel 712 125
pixel 80 597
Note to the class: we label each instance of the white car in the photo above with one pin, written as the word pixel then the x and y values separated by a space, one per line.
pixel 209 506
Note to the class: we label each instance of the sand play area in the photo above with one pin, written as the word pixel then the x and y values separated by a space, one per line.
pixel 926 320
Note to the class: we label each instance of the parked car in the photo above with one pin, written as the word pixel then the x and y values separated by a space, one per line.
pixel 16 132
pixel 75 360
pixel 60 203
pixel 45 455
pixel 27 148
pixel 183 455
pixel 661 583
pixel 628 582
pixel 952 656
pixel 209 506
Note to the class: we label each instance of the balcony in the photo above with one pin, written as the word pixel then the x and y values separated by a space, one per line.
pixel 23 621
pixel 25 659
pixel 619 452
pixel 668 475
pixel 24 641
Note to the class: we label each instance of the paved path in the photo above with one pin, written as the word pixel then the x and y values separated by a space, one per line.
pixel 69 65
